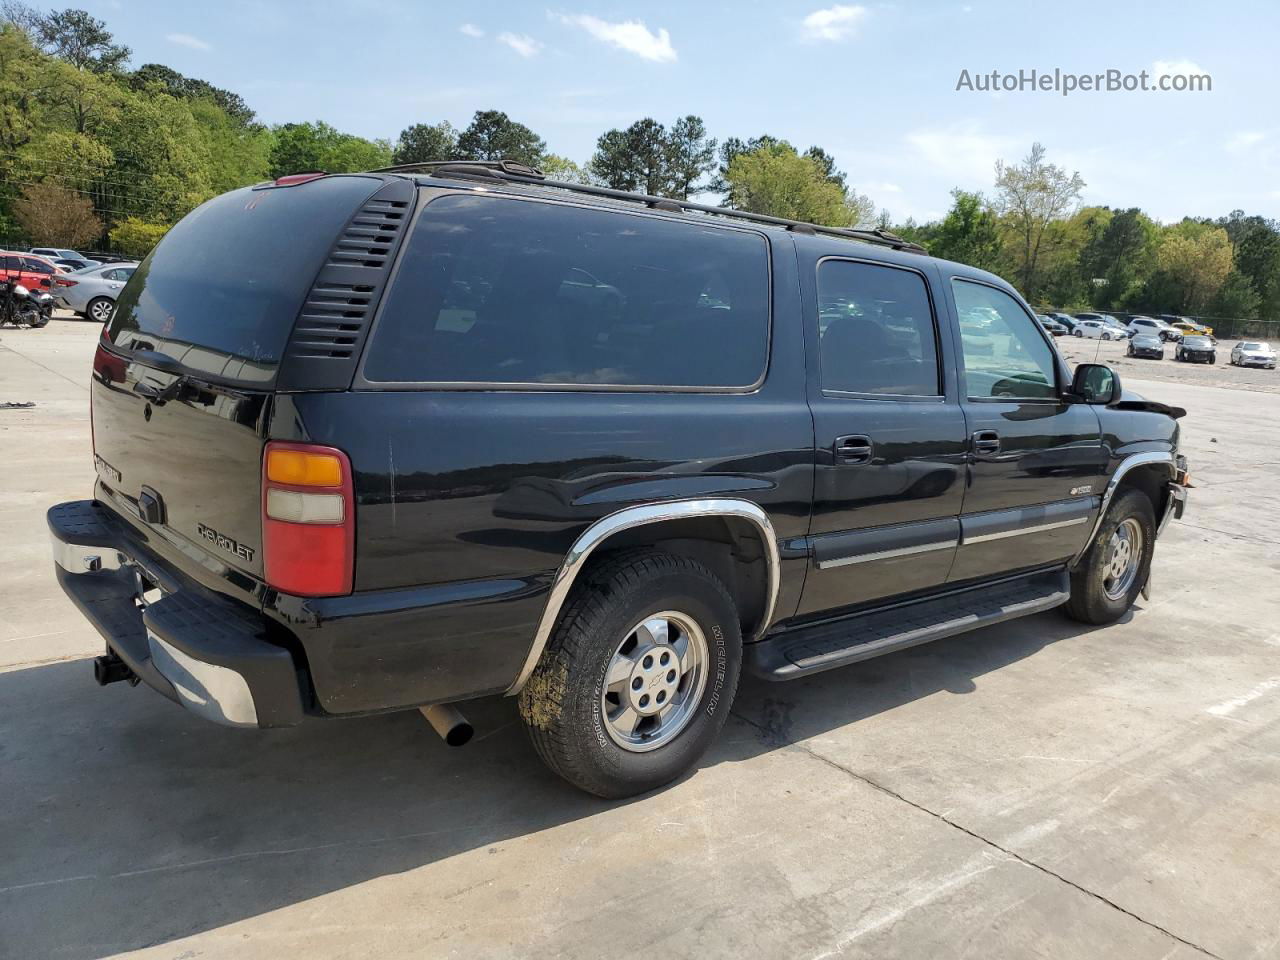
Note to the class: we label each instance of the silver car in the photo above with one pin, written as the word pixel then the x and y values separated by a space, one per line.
pixel 1253 353
pixel 92 292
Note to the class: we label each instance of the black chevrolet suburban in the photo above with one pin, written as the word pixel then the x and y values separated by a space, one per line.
pixel 401 439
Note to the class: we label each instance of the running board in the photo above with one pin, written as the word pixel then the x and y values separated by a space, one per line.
pixel 805 650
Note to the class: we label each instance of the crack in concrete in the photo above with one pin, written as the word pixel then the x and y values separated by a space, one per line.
pixel 887 791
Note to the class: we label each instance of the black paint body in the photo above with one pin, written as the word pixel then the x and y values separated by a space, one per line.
pixel 468 500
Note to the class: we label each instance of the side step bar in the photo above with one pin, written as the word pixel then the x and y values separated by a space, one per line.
pixel 824 646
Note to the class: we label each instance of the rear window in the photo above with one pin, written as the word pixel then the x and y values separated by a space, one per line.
pixel 508 291
pixel 221 291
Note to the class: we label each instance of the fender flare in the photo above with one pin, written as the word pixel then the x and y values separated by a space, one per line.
pixel 1127 464
pixel 600 531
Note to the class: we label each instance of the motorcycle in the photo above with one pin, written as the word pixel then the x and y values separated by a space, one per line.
pixel 20 307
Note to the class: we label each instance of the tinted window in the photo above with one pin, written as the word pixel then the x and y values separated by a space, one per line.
pixel 37 266
pixel 221 290
pixel 877 330
pixel 1005 354
pixel 494 290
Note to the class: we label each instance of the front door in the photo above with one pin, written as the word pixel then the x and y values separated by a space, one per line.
pixel 890 435
pixel 1036 460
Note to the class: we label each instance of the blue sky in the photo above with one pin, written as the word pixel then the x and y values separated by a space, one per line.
pixel 873 83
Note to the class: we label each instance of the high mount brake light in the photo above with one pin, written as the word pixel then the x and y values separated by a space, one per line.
pixel 308 520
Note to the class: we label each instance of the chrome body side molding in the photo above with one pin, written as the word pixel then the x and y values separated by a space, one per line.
pixel 887 554
pixel 1134 460
pixel 1020 531
pixel 631 517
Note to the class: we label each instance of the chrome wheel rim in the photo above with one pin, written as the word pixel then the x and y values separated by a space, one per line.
pixel 102 311
pixel 1124 557
pixel 654 682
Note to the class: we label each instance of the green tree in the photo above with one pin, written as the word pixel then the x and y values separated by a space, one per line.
pixel 1195 261
pixel 555 167
pixel 81 40
pixel 777 181
pixel 1029 197
pixel 300 147
pixel 969 233
pixel 492 135
pixel 235 154
pixel 424 142
pixel 135 238
pixel 691 155
pixel 176 85
pixel 635 159
pixel 1236 298
pixel 1122 253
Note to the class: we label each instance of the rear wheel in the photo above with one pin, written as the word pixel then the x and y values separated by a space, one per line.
pixel 100 309
pixel 638 677
pixel 1116 566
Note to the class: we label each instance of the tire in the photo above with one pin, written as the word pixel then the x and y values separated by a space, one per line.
pixel 1077 333
pixel 100 309
pixel 566 702
pixel 1097 596
pixel 1213 359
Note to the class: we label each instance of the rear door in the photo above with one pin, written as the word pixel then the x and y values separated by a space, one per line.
pixel 185 376
pixel 890 435
pixel 1037 461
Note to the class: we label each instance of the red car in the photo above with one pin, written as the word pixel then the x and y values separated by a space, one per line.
pixel 34 273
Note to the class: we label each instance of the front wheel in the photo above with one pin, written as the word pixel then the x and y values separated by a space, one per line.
pixel 638 677
pixel 1076 333
pixel 1115 568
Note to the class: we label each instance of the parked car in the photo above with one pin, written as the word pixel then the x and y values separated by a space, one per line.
pixel 1146 345
pixel 1095 329
pixel 34 273
pixel 1052 326
pixel 55 254
pixel 1188 329
pixel 92 292
pixel 1065 319
pixel 501 487
pixel 1117 328
pixel 1196 350
pixel 1151 325
pixel 1186 325
pixel 1253 353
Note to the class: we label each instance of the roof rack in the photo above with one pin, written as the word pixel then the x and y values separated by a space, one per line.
pixel 510 170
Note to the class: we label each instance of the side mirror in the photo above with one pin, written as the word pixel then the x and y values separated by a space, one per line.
pixel 1096 383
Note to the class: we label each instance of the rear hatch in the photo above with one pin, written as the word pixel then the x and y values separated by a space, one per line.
pixel 185 375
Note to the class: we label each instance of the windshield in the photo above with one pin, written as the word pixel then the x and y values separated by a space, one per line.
pixel 1195 341
pixel 1254 346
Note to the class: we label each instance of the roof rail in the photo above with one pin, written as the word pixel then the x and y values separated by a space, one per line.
pixel 515 172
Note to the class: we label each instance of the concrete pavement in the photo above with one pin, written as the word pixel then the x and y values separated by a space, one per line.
pixel 1038 789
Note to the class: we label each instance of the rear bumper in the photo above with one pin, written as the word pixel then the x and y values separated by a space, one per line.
pixel 208 653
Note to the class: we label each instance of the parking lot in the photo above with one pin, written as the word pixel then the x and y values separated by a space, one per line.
pixel 1037 789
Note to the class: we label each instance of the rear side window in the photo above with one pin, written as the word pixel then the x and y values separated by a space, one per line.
pixel 505 291
pixel 221 290
pixel 37 266
pixel 877 330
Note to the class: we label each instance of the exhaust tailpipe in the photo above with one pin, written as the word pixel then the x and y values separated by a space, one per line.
pixel 449 723
pixel 111 669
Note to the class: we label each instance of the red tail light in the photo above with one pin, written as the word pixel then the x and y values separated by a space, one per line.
pixel 64 282
pixel 308 520
pixel 293 179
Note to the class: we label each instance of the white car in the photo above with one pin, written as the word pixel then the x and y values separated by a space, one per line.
pixel 1155 327
pixel 1253 353
pixel 1096 330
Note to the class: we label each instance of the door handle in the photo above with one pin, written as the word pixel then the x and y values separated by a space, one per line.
pixel 986 442
pixel 852 449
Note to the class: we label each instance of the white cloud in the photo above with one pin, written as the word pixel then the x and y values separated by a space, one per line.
pixel 1242 142
pixel 187 40
pixel 630 35
pixel 962 152
pixel 885 187
pixel 1165 68
pixel 833 23
pixel 471 30
pixel 522 44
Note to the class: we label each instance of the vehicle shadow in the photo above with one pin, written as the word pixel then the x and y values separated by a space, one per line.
pixel 127 822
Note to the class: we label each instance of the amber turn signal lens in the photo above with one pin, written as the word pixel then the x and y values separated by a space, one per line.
pixel 302 469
